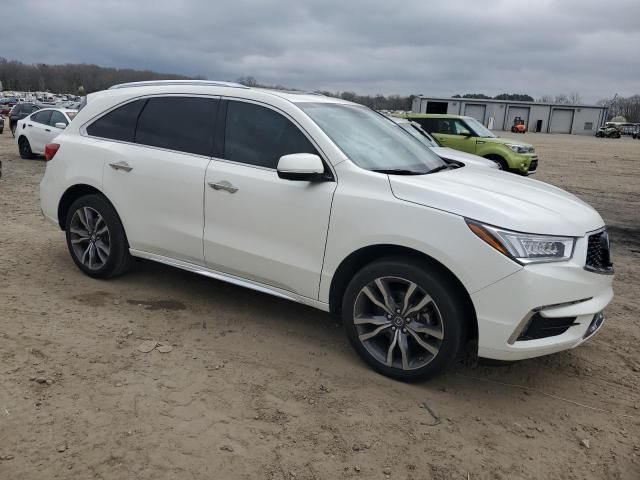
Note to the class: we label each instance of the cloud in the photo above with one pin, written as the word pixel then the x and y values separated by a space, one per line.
pixel 380 46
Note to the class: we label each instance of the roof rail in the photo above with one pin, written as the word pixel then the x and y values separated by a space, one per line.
pixel 152 83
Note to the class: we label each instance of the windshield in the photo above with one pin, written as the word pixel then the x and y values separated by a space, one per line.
pixel 479 129
pixel 370 140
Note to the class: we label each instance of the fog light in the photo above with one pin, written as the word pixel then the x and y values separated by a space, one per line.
pixel 596 323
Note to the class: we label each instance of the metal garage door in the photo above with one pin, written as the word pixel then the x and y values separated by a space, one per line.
pixel 475 111
pixel 561 120
pixel 522 112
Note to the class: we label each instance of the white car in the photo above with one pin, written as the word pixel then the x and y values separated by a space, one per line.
pixel 446 153
pixel 39 128
pixel 328 203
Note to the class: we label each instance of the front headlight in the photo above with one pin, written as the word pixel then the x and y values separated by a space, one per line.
pixel 525 247
pixel 519 148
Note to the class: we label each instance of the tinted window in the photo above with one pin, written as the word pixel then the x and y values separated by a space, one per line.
pixel 42 117
pixel 118 124
pixel 57 117
pixel 448 126
pixel 259 136
pixel 193 133
pixel 429 124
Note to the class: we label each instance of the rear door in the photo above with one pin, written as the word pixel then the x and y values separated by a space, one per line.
pixel 258 226
pixel 154 172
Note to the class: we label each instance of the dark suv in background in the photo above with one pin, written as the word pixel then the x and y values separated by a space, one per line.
pixel 20 111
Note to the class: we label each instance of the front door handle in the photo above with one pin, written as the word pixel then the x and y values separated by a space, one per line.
pixel 47 129
pixel 223 185
pixel 121 166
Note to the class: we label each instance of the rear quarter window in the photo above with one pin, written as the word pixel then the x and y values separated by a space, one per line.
pixel 118 124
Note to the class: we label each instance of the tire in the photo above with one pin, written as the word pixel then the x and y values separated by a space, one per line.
pixel 502 163
pixel 442 320
pixel 24 148
pixel 98 253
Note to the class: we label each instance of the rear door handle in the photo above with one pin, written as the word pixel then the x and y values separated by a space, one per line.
pixel 223 185
pixel 121 166
pixel 47 129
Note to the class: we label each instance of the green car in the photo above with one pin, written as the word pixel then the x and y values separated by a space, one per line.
pixel 469 135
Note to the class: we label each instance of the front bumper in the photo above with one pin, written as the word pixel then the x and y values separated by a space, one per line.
pixel 551 290
pixel 524 163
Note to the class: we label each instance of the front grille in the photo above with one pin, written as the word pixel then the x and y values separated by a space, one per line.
pixel 541 327
pixel 599 253
pixel 533 166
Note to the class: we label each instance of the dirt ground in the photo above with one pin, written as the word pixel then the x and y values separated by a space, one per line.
pixel 257 387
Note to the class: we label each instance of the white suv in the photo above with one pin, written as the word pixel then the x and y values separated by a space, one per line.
pixel 330 204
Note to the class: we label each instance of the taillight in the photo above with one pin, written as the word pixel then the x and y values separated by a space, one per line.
pixel 50 150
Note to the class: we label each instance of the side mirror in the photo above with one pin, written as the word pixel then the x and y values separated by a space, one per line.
pixel 465 133
pixel 301 166
pixel 61 125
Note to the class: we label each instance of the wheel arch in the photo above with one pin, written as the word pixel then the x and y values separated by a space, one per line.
pixel 501 159
pixel 362 257
pixel 71 194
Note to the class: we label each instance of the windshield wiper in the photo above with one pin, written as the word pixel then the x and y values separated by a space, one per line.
pixel 398 171
pixel 446 166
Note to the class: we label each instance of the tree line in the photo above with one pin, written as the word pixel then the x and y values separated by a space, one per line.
pixel 626 107
pixel 71 78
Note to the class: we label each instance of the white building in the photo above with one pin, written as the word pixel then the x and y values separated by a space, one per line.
pixel 500 114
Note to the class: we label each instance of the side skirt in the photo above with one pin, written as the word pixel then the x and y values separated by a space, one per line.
pixel 200 270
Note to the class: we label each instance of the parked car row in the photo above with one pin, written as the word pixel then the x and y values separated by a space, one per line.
pixel 330 204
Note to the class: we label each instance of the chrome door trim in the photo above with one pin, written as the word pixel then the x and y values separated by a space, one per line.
pixel 223 185
pixel 121 166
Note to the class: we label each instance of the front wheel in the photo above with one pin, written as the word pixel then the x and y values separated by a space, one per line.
pixel 501 162
pixel 405 321
pixel 96 237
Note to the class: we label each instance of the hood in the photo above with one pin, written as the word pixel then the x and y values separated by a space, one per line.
pixel 464 157
pixel 500 199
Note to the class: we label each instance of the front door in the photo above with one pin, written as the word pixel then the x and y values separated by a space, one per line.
pixel 451 132
pixel 39 129
pixel 258 226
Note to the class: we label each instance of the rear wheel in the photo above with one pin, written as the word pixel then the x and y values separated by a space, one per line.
pixel 96 237
pixel 404 321
pixel 24 148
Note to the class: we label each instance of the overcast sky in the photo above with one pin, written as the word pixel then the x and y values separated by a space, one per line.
pixel 379 46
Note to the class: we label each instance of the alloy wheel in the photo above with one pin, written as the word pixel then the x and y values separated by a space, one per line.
pixel 398 323
pixel 90 239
